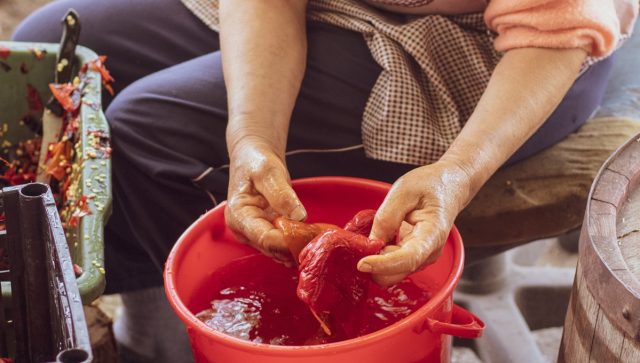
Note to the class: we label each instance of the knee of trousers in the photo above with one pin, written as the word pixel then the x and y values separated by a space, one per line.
pixel 45 25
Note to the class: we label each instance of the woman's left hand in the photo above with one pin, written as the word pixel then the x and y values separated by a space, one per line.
pixel 428 199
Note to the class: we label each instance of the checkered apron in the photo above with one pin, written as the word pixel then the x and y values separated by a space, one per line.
pixel 434 70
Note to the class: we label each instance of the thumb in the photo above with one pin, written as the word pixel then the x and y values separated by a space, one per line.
pixel 390 216
pixel 275 187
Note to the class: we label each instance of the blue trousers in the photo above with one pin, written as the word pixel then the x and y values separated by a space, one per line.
pixel 169 116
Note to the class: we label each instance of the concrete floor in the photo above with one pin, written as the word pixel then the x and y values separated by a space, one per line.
pixel 544 253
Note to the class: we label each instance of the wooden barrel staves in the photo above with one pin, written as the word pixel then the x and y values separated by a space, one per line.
pixel 603 318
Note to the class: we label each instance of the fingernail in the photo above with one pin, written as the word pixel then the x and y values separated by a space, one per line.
pixel 365 267
pixel 298 214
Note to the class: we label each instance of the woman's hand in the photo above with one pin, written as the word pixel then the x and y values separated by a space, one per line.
pixel 526 86
pixel 259 191
pixel 428 200
pixel 262 75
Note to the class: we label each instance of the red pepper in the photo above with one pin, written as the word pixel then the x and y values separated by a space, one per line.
pixel 77 270
pixel 98 66
pixel 362 222
pixel 5 66
pixel 59 159
pixel 5 162
pixel 33 100
pixel 4 52
pixel 329 281
pixel 38 53
pixel 67 94
pixel 81 209
pixel 298 234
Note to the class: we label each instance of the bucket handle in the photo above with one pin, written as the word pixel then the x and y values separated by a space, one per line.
pixel 463 324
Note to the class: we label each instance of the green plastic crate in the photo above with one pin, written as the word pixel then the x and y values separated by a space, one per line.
pixel 86 242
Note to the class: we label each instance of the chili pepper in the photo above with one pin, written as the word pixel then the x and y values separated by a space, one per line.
pixel 5 162
pixel 33 100
pixel 67 95
pixel 5 66
pixel 77 270
pixel 59 159
pixel 19 161
pixel 21 169
pixel 98 65
pixel 81 210
pixel 299 234
pixel 329 281
pixel 362 222
pixel 38 53
pixel 4 52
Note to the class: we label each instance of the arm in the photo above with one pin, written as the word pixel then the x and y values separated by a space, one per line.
pixel 525 88
pixel 263 46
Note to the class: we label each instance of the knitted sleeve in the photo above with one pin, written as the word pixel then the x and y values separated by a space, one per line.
pixel 596 26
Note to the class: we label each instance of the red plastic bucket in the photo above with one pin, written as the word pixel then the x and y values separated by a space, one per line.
pixel 424 336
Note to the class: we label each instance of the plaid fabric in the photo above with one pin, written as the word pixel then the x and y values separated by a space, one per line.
pixel 409 3
pixel 435 69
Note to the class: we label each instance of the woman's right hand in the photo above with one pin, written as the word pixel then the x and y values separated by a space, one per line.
pixel 260 190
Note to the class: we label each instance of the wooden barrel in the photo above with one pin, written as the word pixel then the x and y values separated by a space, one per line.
pixel 603 319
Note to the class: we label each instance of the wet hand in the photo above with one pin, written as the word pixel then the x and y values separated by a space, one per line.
pixel 260 191
pixel 425 203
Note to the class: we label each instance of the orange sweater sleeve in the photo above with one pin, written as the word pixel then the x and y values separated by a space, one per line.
pixel 593 25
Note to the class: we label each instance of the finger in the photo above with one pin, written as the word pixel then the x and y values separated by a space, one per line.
pixel 387 280
pixel 400 261
pixel 432 227
pixel 281 197
pixel 251 222
pixel 415 251
pixel 391 214
pixel 405 230
pixel 270 213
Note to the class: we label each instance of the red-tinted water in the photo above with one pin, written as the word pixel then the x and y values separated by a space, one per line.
pixel 254 298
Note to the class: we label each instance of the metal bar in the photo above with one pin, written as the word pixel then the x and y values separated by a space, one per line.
pixel 16 259
pixel 33 242
pixel 71 328
pixel 4 276
pixel 46 305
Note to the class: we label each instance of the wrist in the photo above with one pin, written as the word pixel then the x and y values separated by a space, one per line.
pixel 243 133
pixel 460 180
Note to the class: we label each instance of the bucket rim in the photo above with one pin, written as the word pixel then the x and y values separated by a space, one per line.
pixel 416 318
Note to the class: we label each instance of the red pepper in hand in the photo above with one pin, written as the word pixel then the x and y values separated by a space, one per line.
pixel 298 234
pixel 362 222
pixel 329 281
